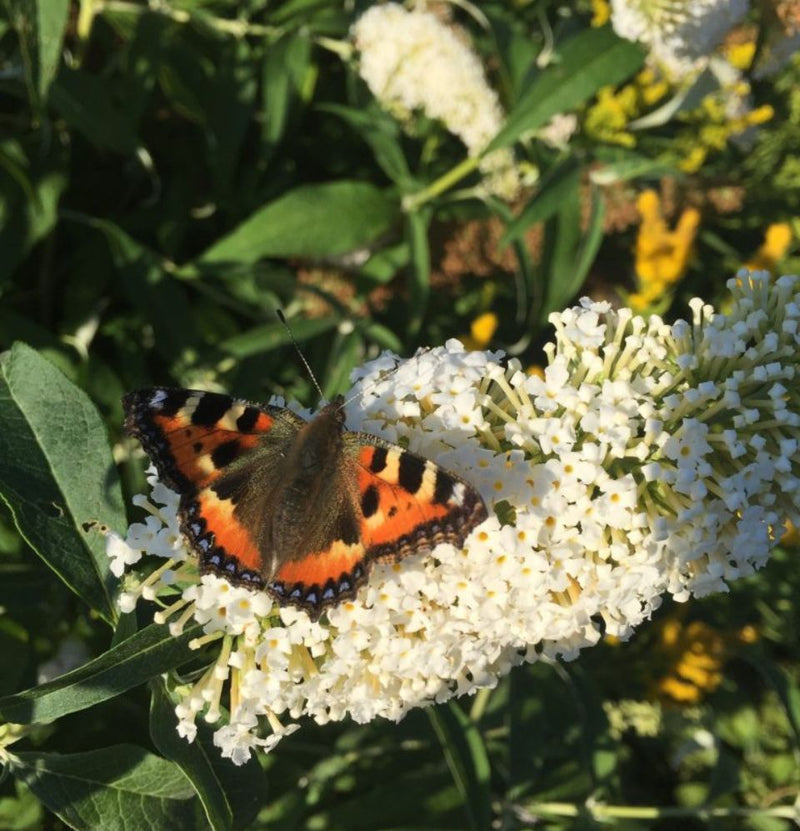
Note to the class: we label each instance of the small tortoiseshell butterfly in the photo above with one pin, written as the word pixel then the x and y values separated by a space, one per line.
pixel 299 508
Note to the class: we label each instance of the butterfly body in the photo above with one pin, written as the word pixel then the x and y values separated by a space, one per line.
pixel 299 508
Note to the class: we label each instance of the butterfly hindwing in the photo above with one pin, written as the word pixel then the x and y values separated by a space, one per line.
pixel 401 504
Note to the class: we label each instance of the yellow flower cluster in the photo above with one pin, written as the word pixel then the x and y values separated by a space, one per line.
pixel 481 331
pixel 791 536
pixel 740 55
pixel 607 119
pixel 695 653
pixel 662 255
pixel 777 239
pixel 601 13
pixel 713 125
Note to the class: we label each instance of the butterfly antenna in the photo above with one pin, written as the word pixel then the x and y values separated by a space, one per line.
pixel 296 345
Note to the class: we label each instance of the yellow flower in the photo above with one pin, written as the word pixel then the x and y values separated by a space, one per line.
pixel 720 116
pixel 694 655
pixel 791 537
pixel 602 13
pixel 777 239
pixel 740 55
pixel 481 331
pixel 614 109
pixel 662 255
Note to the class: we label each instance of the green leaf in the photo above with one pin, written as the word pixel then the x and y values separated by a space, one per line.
pixel 134 661
pixel 382 133
pixel 22 812
pixel 311 221
pixel 57 473
pixel 230 103
pixel 346 351
pixel 51 19
pixel 592 59
pixel 40 26
pixel 272 335
pixel 570 251
pixel 383 265
pixel 466 756
pixel 118 788
pixel 231 795
pixel 621 164
pixel 286 66
pixel 786 688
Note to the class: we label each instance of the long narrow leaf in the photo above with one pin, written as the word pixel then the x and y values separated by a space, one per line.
pixel 592 59
pixel 134 661
pixel 467 759
pixel 231 795
pixel 311 221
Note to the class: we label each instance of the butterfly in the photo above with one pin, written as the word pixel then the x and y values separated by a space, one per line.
pixel 301 509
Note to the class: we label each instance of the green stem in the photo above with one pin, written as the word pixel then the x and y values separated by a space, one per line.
pixel 479 704
pixel 604 812
pixel 237 28
pixel 414 201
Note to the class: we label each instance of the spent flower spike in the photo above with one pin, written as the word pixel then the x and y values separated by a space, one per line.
pixel 651 459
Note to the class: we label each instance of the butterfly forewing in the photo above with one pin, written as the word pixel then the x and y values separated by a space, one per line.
pixel 192 436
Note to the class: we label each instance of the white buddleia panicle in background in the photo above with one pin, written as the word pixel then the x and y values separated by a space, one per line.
pixel 412 62
pixel 679 34
pixel 651 459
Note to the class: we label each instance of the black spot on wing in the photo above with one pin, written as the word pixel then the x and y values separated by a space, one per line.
pixel 247 420
pixel 347 530
pixel 225 453
pixel 410 472
pixel 369 501
pixel 232 485
pixel 172 401
pixel 378 463
pixel 443 489
pixel 210 409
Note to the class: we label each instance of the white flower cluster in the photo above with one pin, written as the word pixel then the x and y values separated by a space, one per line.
pixel 650 458
pixel 411 61
pixel 680 34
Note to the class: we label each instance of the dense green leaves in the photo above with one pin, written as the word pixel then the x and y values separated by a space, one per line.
pixel 56 473
pixel 30 188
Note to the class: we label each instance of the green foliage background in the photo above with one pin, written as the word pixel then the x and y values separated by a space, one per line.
pixel 166 174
